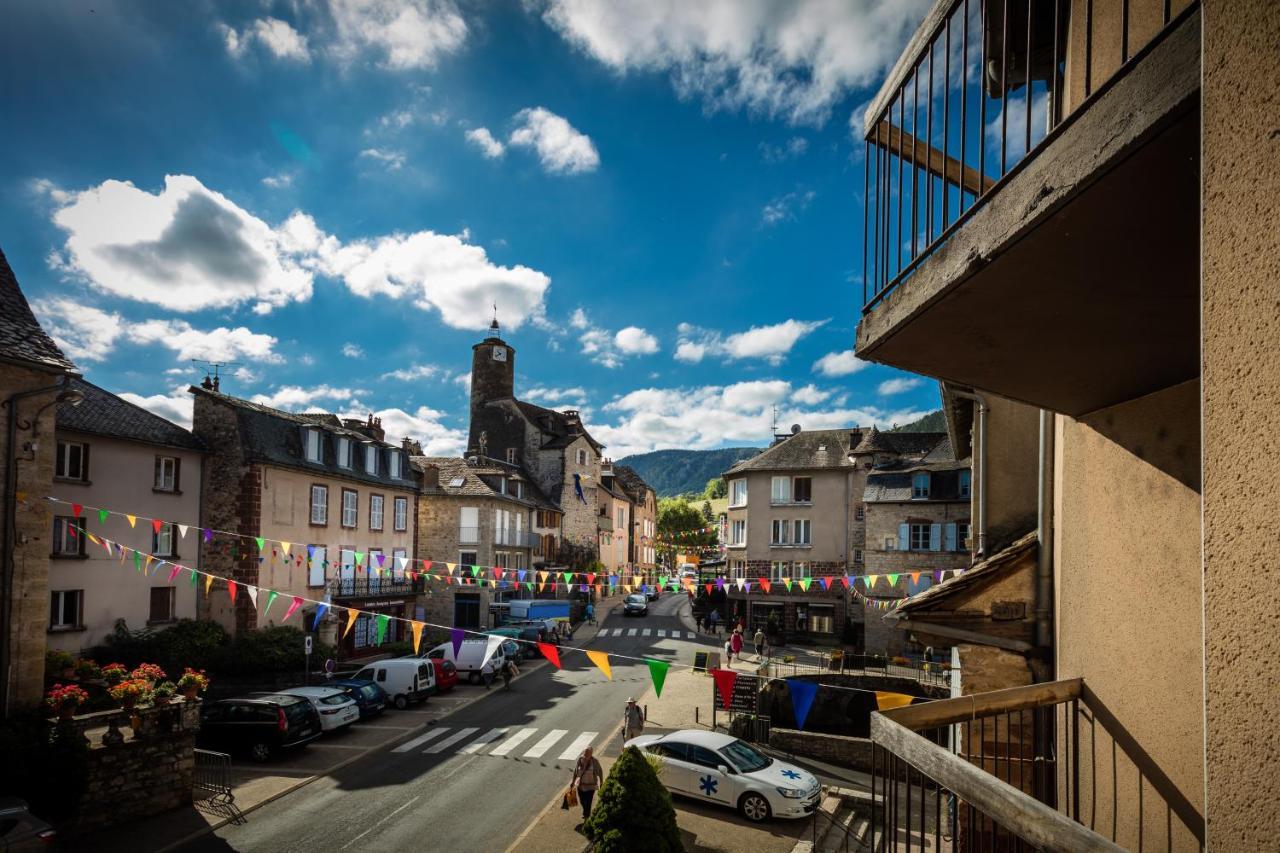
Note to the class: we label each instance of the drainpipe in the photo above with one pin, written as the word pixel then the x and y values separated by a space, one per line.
pixel 11 534
pixel 1044 533
pixel 980 451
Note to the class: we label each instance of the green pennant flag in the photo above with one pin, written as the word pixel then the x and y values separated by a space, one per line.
pixel 568 577
pixel 662 580
pixel 193 576
pixel 102 516
pixel 475 570
pixel 787 581
pixel 893 580
pixel 528 585
pixel 359 557
pixel 804 583
pixel 658 673
pixel 270 599
pixel 137 560
pixel 383 620
pixel 261 542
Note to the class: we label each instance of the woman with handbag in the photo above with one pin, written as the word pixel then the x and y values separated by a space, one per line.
pixel 587 778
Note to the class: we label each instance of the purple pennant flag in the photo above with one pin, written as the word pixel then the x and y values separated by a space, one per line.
pixel 719 583
pixel 208 535
pixel 937 576
pixel 456 636
pixel 747 587
pixel 381 559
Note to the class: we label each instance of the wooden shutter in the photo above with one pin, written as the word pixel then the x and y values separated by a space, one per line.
pixel 904 537
pixel 935 537
pixel 949 537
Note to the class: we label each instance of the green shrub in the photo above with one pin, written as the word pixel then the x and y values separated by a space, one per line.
pixel 280 648
pixel 204 644
pixel 55 661
pixel 633 810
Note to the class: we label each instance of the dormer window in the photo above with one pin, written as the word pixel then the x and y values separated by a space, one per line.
pixel 344 452
pixel 371 459
pixel 511 456
pixel 515 487
pixel 311 444
pixel 920 486
pixel 393 464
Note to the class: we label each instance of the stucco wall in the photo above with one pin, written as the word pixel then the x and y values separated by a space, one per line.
pixel 121 477
pixel 1127 593
pixel 827 518
pixel 1241 364
pixel 1013 460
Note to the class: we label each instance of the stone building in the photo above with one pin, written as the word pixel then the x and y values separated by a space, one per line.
pixel 334 489
pixel 476 512
pixel 642 549
pixel 615 520
pixel 114 455
pixel 34 375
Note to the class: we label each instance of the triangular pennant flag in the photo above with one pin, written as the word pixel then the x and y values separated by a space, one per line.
pixel 497 573
pixel 475 570
pixel 320 609
pixel 285 546
pixel 707 587
pixel 741 583
pixel 174 572
pixel 542 577
pixel 804 584
pixel 802 695
pixel 76 509
pixel 351 620
pixel 402 561
pixel 915 577
pixel 657 674
pixel 231 591
pixel 725 679
pixel 262 543
pixel 208 582
pixel 102 516
pixel 889 701
pixel 208 535
pixel 764 584
pixel 132 519
pixel 520 573
pixel 380 628
pixel 662 580
pixel 568 576
pixel 156 524
pixel 845 579
pixel 893 580
pixel 193 576
pixel 293 607
pixel 272 595
pixel 359 555
pixel 382 560
pixel 416 628
pixel 601 660
pixel 591 578
pixel 137 560
pixel 787 583
pixel 870 581
pixel 826 583
pixel 491 645
pixel 253 594
pixel 456 636
pixel 551 653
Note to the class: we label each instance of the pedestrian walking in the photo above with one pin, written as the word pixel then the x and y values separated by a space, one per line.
pixel 632 720
pixel 711 621
pixel 587 777
pixel 698 620
pixel 728 652
pixel 735 640
pixel 759 641
pixel 509 672
pixel 591 613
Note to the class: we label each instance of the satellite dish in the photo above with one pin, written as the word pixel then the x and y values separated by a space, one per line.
pixel 795 429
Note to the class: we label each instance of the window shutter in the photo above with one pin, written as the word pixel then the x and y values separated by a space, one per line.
pixel 935 537
pixel 84 463
pixel 177 470
pixel 904 537
pixel 949 538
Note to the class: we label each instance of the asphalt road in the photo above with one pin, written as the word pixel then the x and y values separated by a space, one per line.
pixel 477 778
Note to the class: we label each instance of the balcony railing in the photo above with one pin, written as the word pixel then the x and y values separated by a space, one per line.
pixel 1040 767
pixel 980 89
pixel 515 538
pixel 367 587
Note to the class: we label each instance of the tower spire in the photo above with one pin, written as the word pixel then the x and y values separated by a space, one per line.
pixel 493 327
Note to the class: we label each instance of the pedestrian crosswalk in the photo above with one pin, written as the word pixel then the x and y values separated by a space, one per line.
pixel 661 633
pixel 500 742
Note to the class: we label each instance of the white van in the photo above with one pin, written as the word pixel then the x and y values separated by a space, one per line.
pixel 405 680
pixel 469 658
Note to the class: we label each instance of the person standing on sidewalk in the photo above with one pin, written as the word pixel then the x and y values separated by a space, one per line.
pixel 632 720
pixel 728 652
pixel 759 641
pixel 591 613
pixel 587 776
pixel 735 640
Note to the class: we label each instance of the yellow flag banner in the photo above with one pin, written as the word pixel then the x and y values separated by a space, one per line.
pixel 284 546
pixel 889 701
pixel 208 582
pixel 417 627
pixel 351 620
pixel 133 520
pixel 601 660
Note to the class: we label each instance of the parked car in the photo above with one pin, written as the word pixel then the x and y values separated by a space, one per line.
pixel 513 650
pixel 446 675
pixel 20 830
pixel 337 709
pixel 260 725
pixel 405 680
pixel 718 768
pixel 635 605
pixel 470 659
pixel 369 697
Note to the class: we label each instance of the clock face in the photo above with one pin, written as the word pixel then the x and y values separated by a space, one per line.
pixel 499 353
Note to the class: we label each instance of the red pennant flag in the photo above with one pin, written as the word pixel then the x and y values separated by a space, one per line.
pixel 725 679
pixel 591 578
pixel 426 565
pixel 497 573
pixel 231 590
pixel 845 579
pixel 156 524
pixel 764 584
pixel 707 586
pixel 551 653
pixel 75 509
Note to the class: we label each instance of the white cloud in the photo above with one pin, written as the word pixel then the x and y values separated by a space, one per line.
pixel 463 381
pixel 610 349
pixel 483 139
pixel 422 424
pixel 809 395
pixel 562 149
pixel 246 375
pixel 786 207
pixel 295 397
pixel 277 36
pixel 792 148
pixel 83 332
pixel 280 181
pixel 899 386
pixel 408 34
pixel 787 60
pixel 556 396
pixel 634 340
pixel 839 364
pixel 416 371
pixel 351 350
pixel 175 406
pixel 771 343
pixel 393 160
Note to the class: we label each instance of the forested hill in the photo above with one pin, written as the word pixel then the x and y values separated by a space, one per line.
pixel 682 472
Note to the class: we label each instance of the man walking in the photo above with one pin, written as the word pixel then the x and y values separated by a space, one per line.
pixel 759 641
pixel 632 721
pixel 587 776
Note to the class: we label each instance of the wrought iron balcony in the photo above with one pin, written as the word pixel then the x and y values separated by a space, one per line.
pixel 371 587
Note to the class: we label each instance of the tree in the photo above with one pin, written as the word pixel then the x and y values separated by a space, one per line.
pixel 716 488
pixel 707 515
pixel 682 527
pixel 633 810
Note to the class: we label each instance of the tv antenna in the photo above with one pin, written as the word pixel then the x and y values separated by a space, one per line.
pixel 212 370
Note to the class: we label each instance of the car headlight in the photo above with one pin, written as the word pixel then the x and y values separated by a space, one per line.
pixel 792 793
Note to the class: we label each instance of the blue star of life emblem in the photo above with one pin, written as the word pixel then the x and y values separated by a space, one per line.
pixel 708 785
pixel 791 774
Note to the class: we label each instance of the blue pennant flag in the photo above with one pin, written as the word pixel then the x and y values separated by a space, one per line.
pixel 802 695
pixel 320 609
pixel 521 573
pixel 577 488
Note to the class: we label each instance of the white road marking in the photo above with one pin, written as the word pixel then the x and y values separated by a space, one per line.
pixel 540 748
pixel 480 742
pixel 574 749
pixel 380 822
pixel 409 746
pixel 512 742
pixel 606 632
pixel 647 632
pixel 662 632
pixel 631 632
pixel 692 636
pixel 450 741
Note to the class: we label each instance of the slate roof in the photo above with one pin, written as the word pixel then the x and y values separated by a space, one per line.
pixel 982 571
pixel 631 482
pixel 895 486
pixel 21 337
pixel 473 479
pixel 874 441
pixel 103 413
pixel 813 449
pixel 556 427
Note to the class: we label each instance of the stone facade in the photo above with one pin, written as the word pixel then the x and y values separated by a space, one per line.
pixel 841 750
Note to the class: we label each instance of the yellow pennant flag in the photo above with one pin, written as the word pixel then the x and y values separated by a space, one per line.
pixel 601 660
pixel 133 520
pixel 147 567
pixel 351 620
pixel 542 576
pixel 417 627
pixel 208 582
pixel 451 567
pixel 284 546
pixel 92 538
pixel 887 701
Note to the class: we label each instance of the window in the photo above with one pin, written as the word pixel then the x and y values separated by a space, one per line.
pixel 370 459
pixel 779 570
pixel 738 493
pixel 738 532
pixel 857 555
pixel 469 524
pixel 821 619
pixel 68 536
pixel 511 456
pixel 166 474
pixel 319 504
pixel 344 452
pixel 517 560
pixel 502 526
pixel 780 490
pixel 502 559
pixel 919 486
pixel 393 464
pixel 966 484
pixel 65 609
pixel 375 512
pixel 962 536
pixel 802 528
pixel 778 532
pixel 517 489
pixel 350 508
pixel 162 604
pixel 72 462
pixel 401 520
pixel 397 565
pixel 738 569
pixel 582 457
pixel 859 514
pixel 311 439
pixel 919 540
pixel 802 490
pixel 164 542
pixel 315 565
pixel 467 558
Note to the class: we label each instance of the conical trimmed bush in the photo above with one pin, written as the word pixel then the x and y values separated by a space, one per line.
pixel 633 810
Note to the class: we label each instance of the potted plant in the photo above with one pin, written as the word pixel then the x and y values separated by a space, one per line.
pixel 65 699
pixel 163 692
pixel 130 692
pixel 193 682
pixel 114 673
pixel 63 663
pixel 87 670
pixel 148 672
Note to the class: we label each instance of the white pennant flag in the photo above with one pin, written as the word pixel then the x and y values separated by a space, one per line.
pixel 253 594
pixel 741 582
pixel 182 530
pixel 491 645
pixel 403 561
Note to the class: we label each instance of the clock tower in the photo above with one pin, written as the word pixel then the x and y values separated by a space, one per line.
pixel 493 369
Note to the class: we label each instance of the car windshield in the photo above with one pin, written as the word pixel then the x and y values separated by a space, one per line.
pixel 636 599
pixel 369 691
pixel 335 699
pixel 744 757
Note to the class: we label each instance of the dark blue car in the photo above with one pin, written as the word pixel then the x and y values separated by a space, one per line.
pixel 370 698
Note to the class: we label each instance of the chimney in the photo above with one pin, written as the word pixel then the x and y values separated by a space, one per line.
pixel 430 478
pixel 371 427
pixel 410 446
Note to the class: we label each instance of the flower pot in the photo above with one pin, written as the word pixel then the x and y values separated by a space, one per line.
pixel 128 702
pixel 191 693
pixel 66 711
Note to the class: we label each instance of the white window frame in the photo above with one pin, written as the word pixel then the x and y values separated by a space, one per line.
pixel 780 532
pixel 343 452
pixel 779 570
pixel 802 532
pixel 511 456
pixel 315 566
pixel 311 447
pixel 61 597
pixel 963 532
pixel 62 462
pixel 164 542
pixel 64 544
pixel 371 459
pixel 736 527
pixel 780 490
pixel 738 569
pixel 463 555
pixel 918 492
pixel 469 533
pixel 738 492
pixel 401 516
pixel 319 508
pixel 377 514
pixel 393 464
pixel 167 483
pixel 350 508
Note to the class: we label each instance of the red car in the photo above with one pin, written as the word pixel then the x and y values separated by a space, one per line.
pixel 446 675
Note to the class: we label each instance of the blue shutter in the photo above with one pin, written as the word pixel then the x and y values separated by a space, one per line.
pixel 949 537
pixel 935 537
pixel 904 537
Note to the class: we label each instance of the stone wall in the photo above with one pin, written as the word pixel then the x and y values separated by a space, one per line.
pixel 841 750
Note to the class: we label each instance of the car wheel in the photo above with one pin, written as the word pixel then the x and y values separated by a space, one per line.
pixel 754 807
pixel 260 751
pixel 402 702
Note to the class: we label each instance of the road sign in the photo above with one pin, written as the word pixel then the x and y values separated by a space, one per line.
pixel 308 638
pixel 743 700
pixel 330 665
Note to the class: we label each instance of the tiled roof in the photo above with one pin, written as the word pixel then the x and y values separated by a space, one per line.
pixel 992 567
pixel 21 337
pixel 473 482
pixel 103 413
pixel 631 482
pixel 814 449
pixel 556 427
pixel 873 441
pixel 894 486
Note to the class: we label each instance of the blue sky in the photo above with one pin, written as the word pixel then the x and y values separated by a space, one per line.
pixel 662 198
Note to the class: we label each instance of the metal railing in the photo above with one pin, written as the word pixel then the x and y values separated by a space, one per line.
pixel 978 91
pixel 212 780
pixel 1006 770
pixel 358 587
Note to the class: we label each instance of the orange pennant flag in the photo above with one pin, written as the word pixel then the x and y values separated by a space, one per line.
pixel 915 577
pixel 601 660
pixel 208 582
pixel 417 627
pixel 888 701
pixel 351 620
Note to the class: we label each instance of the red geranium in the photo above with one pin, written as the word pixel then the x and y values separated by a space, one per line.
pixel 65 694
